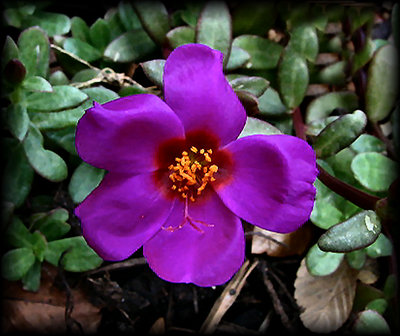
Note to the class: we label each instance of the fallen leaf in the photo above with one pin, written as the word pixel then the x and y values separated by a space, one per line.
pixel 43 312
pixel 327 300
pixel 280 244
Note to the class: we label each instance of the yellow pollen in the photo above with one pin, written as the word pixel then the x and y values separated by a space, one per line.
pixel 191 174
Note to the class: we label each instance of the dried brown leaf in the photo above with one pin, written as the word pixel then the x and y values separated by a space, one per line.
pixel 280 244
pixel 326 300
pixel 44 312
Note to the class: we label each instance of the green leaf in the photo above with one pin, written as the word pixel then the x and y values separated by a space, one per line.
pixel 37 84
pixel 130 47
pixel 214 27
pixel 131 90
pixel 257 126
pixel 17 177
pixel 51 23
pixel 355 233
pixel 31 279
pixel 356 259
pixel 304 41
pixel 34 51
pixel 154 18
pixel 237 58
pixel 128 16
pixel 382 83
pixel 370 322
pixel 180 36
pixel 390 287
pixel 363 56
pixel 18 235
pixel 100 94
pixel 84 75
pixel 52 224
pixel 378 305
pixel 292 79
pixel 264 53
pixel 81 49
pixel 58 78
pixel 46 163
pixel 83 181
pixel 17 120
pixel 341 164
pixel 339 134
pixel 374 171
pixel 65 138
pixel 253 84
pixel 154 71
pixel 334 74
pixel 315 127
pixel 368 143
pixel 382 247
pixel 16 263
pixel 100 34
pixel 191 12
pixel 62 97
pixel 57 120
pixel 320 263
pixel 10 51
pixel 323 106
pixel 38 245
pixel 80 29
pixel 270 104
pixel 115 22
pixel 78 257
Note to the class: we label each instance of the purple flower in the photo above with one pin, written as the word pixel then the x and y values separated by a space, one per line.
pixel 179 180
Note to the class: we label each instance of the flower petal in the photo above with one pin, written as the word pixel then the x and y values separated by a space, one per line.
pixel 206 256
pixel 271 182
pixel 123 135
pixel 196 89
pixel 122 213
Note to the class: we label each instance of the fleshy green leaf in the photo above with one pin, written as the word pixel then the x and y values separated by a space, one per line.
pixel 62 97
pixel 363 56
pixel 34 51
pixel 65 138
pixel 52 224
pixel 370 322
pixel 31 279
pixel 356 259
pixel 100 94
pixel 154 71
pixel 214 27
pixel 100 34
pixel 374 171
pixel 17 177
pixel 237 58
pixel 180 36
pixel 252 84
pixel 368 143
pixel 292 79
pixel 84 75
pixel 357 232
pixel 304 41
pixel 130 47
pixel 320 263
pixel 78 256
pixel 382 83
pixel 80 29
pixel 339 134
pixel 378 305
pixel 17 120
pixel 51 23
pixel 16 263
pixel 323 106
pixel 270 104
pixel 154 18
pixel 257 126
pixel 264 53
pixel 382 247
pixel 46 163
pixel 58 78
pixel 333 74
pixel 38 84
pixel 315 127
pixel 81 49
pixel 18 235
pixel 128 16
pixel 10 51
pixel 83 181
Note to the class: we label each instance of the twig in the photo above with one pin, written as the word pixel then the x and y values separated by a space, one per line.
pixel 63 51
pixel 260 234
pixel 227 298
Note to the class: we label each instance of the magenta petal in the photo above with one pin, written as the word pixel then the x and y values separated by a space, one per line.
pixel 196 89
pixel 206 256
pixel 121 214
pixel 272 181
pixel 123 135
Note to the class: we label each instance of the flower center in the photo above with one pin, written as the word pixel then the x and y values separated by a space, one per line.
pixel 192 172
